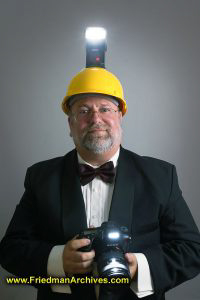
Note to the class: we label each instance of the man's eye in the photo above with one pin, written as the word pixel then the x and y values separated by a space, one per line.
pixel 83 112
pixel 105 109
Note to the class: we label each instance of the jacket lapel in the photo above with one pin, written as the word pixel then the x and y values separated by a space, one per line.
pixel 73 207
pixel 121 210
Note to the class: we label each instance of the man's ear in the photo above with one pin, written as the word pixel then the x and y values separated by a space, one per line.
pixel 120 116
pixel 69 122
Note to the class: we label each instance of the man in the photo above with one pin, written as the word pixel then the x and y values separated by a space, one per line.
pixel 97 182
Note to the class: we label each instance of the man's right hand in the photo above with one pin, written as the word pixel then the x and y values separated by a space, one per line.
pixel 75 261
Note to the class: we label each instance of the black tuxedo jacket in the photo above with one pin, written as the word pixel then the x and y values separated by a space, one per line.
pixel 146 199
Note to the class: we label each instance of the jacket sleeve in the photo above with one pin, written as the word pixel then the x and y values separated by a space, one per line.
pixel 177 257
pixel 22 251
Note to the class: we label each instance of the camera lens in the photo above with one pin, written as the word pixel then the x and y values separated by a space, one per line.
pixel 112 264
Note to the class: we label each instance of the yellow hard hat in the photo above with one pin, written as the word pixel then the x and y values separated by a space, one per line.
pixel 95 80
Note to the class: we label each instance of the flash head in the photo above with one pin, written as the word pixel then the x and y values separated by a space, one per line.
pixel 95 34
pixel 95 47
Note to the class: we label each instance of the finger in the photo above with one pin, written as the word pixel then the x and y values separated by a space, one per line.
pixel 78 243
pixel 78 256
pixel 85 256
pixel 132 261
pixel 130 258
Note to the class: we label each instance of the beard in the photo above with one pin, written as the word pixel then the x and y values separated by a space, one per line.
pixel 99 143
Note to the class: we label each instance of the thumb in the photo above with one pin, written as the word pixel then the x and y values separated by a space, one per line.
pixel 130 258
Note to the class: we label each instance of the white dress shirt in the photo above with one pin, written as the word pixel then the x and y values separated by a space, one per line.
pixel 97 197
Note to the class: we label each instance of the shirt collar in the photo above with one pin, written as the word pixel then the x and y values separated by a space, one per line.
pixel 114 159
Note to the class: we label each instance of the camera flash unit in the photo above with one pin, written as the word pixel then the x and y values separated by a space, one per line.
pixel 95 47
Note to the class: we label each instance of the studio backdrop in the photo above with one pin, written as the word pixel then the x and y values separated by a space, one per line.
pixel 153 48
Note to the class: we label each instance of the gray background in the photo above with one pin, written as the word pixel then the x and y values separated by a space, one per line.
pixel 153 47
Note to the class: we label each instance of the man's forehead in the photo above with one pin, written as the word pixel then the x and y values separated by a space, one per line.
pixel 97 99
pixel 94 101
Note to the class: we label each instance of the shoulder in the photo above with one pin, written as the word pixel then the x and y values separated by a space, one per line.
pixel 151 172
pixel 47 164
pixel 148 165
pixel 49 168
pixel 145 159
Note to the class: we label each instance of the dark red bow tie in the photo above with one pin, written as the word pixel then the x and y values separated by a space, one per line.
pixel 87 173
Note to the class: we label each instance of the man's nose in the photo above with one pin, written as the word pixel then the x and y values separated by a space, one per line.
pixel 95 115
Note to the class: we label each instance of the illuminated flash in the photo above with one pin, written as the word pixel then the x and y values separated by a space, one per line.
pixel 95 34
pixel 113 235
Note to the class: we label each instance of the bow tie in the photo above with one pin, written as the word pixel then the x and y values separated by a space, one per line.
pixel 106 172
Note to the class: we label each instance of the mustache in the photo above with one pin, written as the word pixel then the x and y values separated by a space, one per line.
pixel 96 126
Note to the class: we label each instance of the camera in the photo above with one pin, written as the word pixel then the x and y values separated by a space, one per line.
pixel 110 242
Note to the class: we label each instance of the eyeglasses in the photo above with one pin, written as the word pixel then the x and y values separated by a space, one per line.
pixel 86 113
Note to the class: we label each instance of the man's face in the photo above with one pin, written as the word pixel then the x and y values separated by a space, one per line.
pixel 94 129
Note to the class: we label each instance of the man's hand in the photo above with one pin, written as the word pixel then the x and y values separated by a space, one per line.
pixel 132 261
pixel 77 262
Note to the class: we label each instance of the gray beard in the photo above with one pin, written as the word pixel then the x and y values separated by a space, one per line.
pixel 96 145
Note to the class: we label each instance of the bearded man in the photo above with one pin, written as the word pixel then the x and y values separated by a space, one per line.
pixel 100 181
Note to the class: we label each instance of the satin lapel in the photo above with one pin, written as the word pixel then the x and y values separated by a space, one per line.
pixel 73 207
pixel 121 210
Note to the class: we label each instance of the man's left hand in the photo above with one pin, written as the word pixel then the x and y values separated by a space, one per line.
pixel 132 261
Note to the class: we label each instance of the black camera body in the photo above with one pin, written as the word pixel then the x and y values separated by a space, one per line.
pixel 110 243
